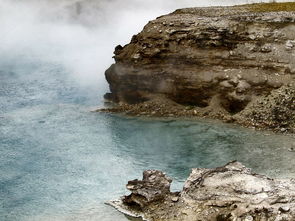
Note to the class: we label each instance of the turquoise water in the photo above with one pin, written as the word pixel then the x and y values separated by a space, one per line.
pixel 60 161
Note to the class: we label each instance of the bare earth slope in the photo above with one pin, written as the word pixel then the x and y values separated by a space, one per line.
pixel 231 63
pixel 228 193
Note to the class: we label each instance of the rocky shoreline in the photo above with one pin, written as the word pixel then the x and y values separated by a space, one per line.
pixel 236 64
pixel 280 119
pixel 228 193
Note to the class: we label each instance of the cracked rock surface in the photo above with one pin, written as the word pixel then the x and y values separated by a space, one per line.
pixel 227 63
pixel 227 193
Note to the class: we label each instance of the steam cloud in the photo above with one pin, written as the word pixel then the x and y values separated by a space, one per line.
pixel 79 34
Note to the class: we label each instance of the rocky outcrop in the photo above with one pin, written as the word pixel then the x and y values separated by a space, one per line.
pixel 231 192
pixel 233 63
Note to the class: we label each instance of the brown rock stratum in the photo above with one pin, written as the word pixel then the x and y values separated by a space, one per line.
pixel 230 63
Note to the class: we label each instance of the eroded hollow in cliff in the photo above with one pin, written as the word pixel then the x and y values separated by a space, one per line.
pixel 133 97
pixel 191 98
pixel 234 106
pixel 129 97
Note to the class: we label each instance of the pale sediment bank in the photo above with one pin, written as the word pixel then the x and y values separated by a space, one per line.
pixel 227 193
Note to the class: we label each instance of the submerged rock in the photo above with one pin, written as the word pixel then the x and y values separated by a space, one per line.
pixel 231 192
pixel 230 63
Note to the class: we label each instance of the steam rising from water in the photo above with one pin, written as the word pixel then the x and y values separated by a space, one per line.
pixel 80 35
pixel 58 161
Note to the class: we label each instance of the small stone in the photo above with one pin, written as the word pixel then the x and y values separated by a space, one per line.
pixel 175 199
pixel 234 80
pixel 283 129
pixel 130 187
pixel 225 84
pixel 243 86
pixel 252 37
pixel 266 48
pixel 136 56
pixel 248 218
pixel 289 44
pixel 284 209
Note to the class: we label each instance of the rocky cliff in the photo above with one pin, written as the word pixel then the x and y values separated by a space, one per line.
pixel 228 193
pixel 231 63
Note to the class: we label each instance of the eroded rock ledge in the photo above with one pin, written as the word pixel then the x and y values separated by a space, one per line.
pixel 231 192
pixel 231 63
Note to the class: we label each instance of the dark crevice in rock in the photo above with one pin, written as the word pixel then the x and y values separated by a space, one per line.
pixel 234 107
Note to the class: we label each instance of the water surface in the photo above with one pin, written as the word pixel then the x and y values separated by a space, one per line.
pixel 61 161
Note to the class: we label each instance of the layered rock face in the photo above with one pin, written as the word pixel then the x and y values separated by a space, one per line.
pixel 227 193
pixel 222 62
